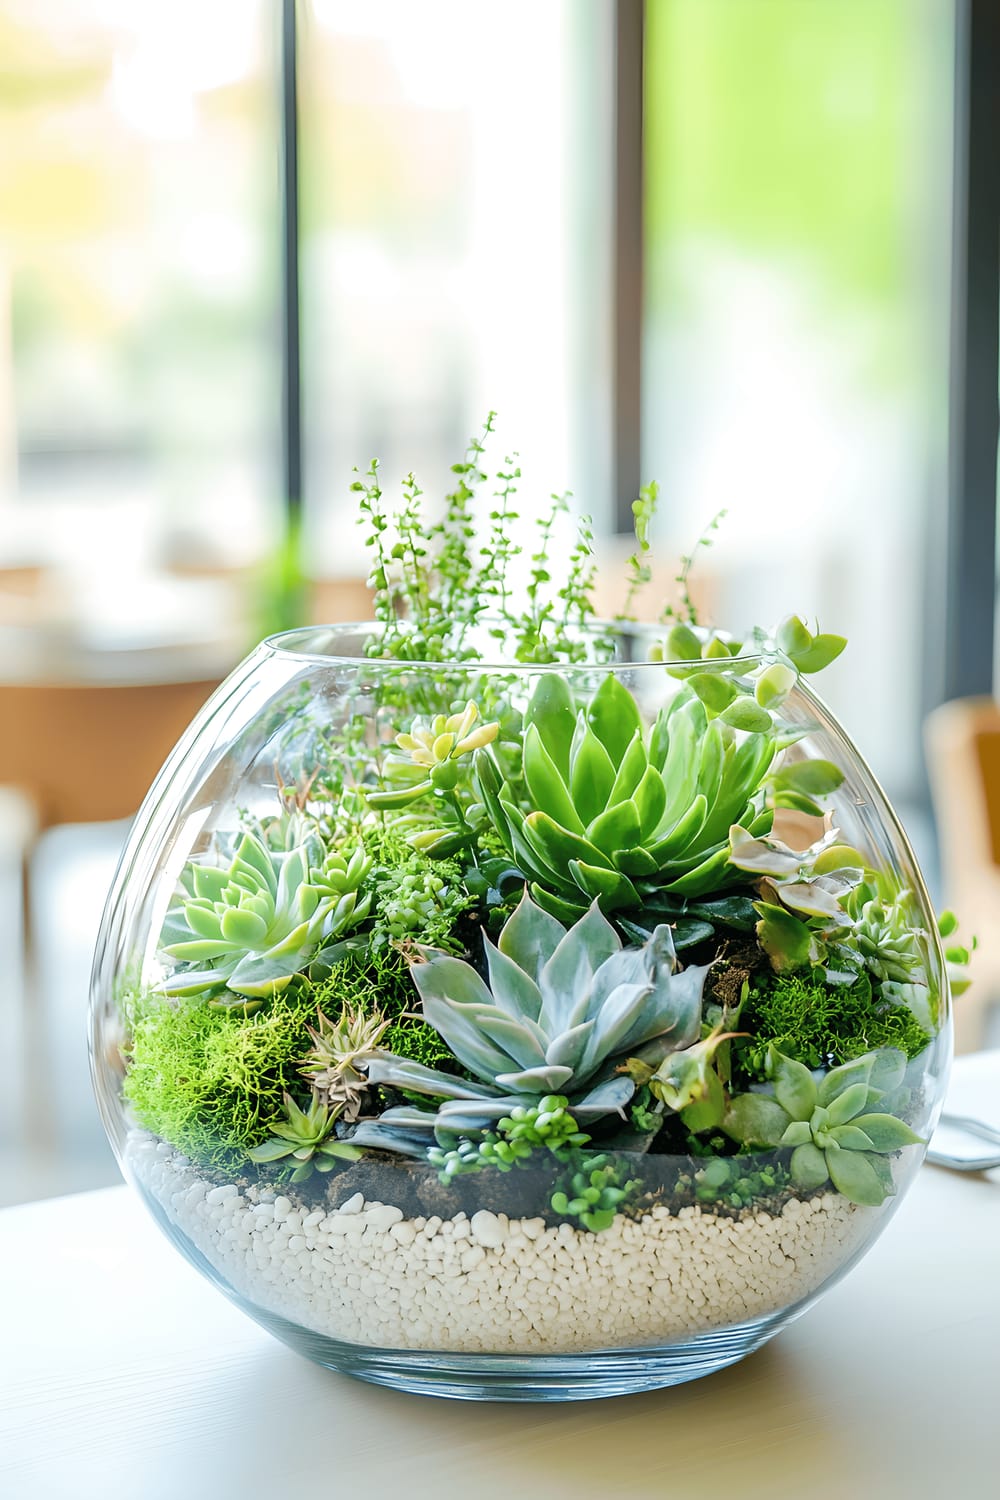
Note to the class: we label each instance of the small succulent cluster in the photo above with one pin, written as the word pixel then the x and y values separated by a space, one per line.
pixel 419 904
pixel 340 1049
pixel 834 1133
pixel 304 1142
pixel 547 1124
pixel 545 918
pixel 249 927
pixel 595 1193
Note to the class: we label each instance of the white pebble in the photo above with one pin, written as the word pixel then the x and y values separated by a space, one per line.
pixel 487 1229
pixel 383 1216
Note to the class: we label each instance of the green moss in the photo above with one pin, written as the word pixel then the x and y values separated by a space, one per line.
pixel 822 1025
pixel 209 1081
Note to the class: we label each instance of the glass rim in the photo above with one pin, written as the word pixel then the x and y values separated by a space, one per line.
pixel 282 643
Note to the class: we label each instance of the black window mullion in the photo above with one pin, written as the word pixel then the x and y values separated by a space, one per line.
pixel 974 426
pixel 627 260
pixel 291 354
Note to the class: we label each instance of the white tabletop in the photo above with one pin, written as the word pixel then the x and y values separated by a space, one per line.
pixel 124 1374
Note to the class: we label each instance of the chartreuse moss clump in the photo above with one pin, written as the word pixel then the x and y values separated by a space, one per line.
pixel 822 1024
pixel 212 1082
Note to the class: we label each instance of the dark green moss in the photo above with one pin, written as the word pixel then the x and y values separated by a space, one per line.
pixel 822 1025
pixel 381 981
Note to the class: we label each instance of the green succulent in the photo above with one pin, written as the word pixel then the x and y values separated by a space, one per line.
pixel 594 1193
pixel 612 813
pixel 546 1125
pixel 339 1048
pixel 687 1081
pixel 252 926
pixel 561 1009
pixel 885 934
pixel 306 1140
pixel 737 1182
pixel 834 1134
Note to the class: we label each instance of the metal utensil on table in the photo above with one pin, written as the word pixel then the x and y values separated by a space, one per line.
pixel 938 1157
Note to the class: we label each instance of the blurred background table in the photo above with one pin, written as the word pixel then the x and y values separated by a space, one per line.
pixel 125 1374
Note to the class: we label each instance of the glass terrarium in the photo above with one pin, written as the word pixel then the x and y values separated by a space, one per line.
pixel 521 1030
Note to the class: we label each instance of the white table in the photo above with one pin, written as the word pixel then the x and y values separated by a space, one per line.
pixel 124 1374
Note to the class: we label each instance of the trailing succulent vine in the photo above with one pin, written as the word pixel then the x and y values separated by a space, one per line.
pixel 546 916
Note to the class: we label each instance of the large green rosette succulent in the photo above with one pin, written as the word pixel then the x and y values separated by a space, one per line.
pixel 613 813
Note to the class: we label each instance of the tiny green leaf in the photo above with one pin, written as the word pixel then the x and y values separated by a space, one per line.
pixel 793 636
pixel 823 650
pixel 683 644
pixel 745 713
pixel 773 685
pixel 808 1167
pixel 714 690
pixel 816 778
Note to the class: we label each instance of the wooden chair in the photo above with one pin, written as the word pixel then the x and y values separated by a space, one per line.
pixel 78 752
pixel 963 760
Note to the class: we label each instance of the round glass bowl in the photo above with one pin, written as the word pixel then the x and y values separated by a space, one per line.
pixel 636 1256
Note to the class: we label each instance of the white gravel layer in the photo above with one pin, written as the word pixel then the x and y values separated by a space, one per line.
pixel 366 1275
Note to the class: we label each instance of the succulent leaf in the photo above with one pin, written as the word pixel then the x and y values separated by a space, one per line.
pixel 530 937
pixel 886 1133
pixel 553 712
pixel 808 1167
pixel 613 714
pixel 755 1120
pixel 854 1174
pixel 794 1086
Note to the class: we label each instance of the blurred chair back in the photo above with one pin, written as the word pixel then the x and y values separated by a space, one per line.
pixel 86 753
pixel 963 761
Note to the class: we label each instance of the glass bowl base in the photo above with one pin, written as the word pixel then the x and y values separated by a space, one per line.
pixel 553 1377
pixel 504 1377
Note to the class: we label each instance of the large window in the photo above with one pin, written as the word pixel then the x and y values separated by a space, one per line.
pixel 454 217
pixel 796 338
pixel 464 244
pixel 138 194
